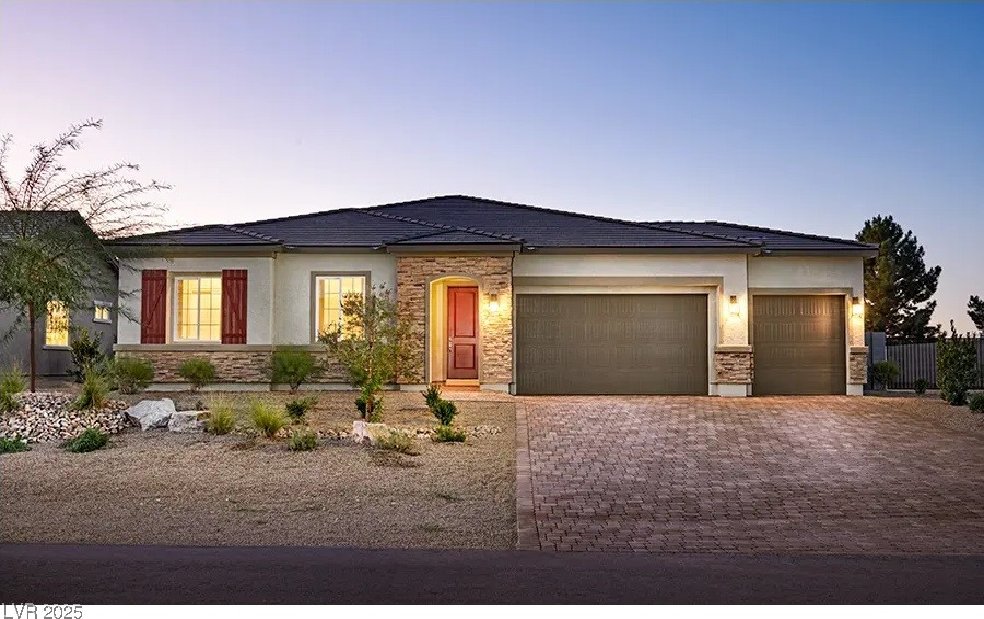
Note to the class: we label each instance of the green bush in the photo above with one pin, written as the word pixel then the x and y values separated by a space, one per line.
pixel 976 402
pixel 302 440
pixel 956 367
pixel 131 375
pixel 885 372
pixel 198 371
pixel 90 440
pixel 447 434
pixel 95 390
pixel 266 418
pixel 920 385
pixel 377 408
pixel 298 408
pixel 445 412
pixel 293 366
pixel 12 445
pixel 86 351
pixel 221 418
pixel 12 381
pixel 8 403
pixel 398 441
pixel 432 396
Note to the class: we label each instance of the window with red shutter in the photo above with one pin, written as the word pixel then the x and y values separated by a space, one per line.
pixel 234 306
pixel 153 309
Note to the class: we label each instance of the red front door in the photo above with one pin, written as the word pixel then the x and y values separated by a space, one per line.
pixel 462 332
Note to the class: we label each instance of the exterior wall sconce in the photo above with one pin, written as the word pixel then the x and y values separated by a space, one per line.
pixel 494 302
pixel 733 309
pixel 857 308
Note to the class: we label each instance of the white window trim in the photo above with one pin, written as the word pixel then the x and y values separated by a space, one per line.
pixel 174 308
pixel 316 298
pixel 96 306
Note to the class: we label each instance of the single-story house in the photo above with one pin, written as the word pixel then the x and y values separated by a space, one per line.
pixel 512 297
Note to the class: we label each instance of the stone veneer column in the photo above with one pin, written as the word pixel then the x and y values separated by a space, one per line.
pixel 494 276
pixel 859 365
pixel 733 365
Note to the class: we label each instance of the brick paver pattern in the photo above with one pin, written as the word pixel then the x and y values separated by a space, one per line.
pixel 802 474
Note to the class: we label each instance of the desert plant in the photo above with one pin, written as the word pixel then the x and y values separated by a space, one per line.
pixel 94 392
pixel 266 418
pixel 90 440
pixel 86 352
pixel 371 343
pixel 8 403
pixel 298 408
pixel 445 411
pixel 398 441
pixel 432 396
pixel 885 372
pixel 375 411
pixel 293 365
pixel 447 434
pixel 956 367
pixel 198 371
pixel 131 375
pixel 221 418
pixel 976 402
pixel 920 386
pixel 12 445
pixel 302 440
pixel 12 381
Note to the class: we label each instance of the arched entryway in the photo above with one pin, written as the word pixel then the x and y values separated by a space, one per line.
pixel 454 331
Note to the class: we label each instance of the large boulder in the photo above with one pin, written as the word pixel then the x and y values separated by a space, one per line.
pixel 151 413
pixel 185 421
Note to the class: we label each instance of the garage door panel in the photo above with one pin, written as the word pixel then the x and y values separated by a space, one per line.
pixel 611 344
pixel 799 344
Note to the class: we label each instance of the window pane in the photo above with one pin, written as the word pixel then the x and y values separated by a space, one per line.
pixel 56 327
pixel 199 308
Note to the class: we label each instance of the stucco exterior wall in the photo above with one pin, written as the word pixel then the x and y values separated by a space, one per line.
pixel 259 300
pixel 294 287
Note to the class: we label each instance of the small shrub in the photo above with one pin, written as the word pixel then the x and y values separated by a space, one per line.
pixel 884 373
pixel 8 403
pixel 976 402
pixel 920 386
pixel 445 412
pixel 12 381
pixel 302 440
pixel 221 418
pixel 298 408
pixel 377 409
pixel 266 418
pixel 293 366
pixel 198 371
pixel 956 367
pixel 12 445
pixel 432 396
pixel 399 442
pixel 447 434
pixel 131 375
pixel 90 440
pixel 86 352
pixel 95 390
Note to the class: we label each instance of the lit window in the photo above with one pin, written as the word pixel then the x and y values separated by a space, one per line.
pixel 198 311
pixel 56 327
pixel 101 313
pixel 331 291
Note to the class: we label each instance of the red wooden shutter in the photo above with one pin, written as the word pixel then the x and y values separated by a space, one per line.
pixel 234 307
pixel 153 310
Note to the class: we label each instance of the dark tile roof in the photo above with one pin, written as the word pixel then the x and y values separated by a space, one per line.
pixel 768 238
pixel 466 220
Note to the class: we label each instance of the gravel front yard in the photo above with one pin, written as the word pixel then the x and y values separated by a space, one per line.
pixel 160 488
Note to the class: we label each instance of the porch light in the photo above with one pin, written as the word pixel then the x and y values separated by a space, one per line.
pixel 856 307
pixel 733 310
pixel 493 303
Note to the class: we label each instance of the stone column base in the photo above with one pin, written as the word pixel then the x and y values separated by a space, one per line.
pixel 858 370
pixel 733 366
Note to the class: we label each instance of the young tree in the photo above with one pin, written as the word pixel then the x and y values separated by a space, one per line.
pixel 975 309
pixel 370 343
pixel 52 227
pixel 956 366
pixel 897 284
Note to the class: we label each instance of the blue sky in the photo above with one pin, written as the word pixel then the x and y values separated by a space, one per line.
pixel 806 117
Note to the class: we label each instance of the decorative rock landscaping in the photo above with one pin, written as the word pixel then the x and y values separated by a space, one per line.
pixel 186 421
pixel 151 413
pixel 42 417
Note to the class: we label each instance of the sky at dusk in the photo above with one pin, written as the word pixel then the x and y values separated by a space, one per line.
pixel 803 117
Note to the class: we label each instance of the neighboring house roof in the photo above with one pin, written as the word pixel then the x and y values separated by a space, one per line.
pixel 462 220
pixel 769 238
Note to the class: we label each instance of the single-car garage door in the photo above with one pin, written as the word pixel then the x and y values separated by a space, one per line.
pixel 611 344
pixel 799 345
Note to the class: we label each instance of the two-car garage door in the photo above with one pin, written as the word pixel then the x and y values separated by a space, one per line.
pixel 611 344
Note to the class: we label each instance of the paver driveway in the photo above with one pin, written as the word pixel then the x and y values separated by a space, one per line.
pixel 804 474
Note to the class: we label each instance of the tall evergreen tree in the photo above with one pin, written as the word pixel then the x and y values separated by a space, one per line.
pixel 975 309
pixel 898 285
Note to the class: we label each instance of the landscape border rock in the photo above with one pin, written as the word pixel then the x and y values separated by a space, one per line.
pixel 151 413
pixel 44 416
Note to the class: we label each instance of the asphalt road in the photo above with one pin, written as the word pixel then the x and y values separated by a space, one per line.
pixel 189 575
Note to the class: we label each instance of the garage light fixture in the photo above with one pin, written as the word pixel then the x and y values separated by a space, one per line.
pixel 493 303
pixel 856 307
pixel 733 309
